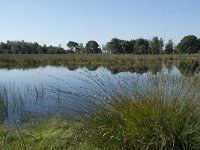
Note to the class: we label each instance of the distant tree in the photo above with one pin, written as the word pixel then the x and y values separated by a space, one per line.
pixel 169 47
pixel 59 50
pixel 34 48
pixel 127 46
pixel 104 49
pixel 21 47
pixel 16 48
pixel 81 48
pixel 44 49
pixel 115 46
pixel 73 46
pixel 92 47
pixel 141 46
pixel 3 46
pixel 161 45
pixel 189 44
pixel 40 50
pixel 51 50
pixel 8 44
pixel 156 45
pixel 133 45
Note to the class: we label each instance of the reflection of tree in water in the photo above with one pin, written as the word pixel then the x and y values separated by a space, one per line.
pixel 141 69
pixel 154 69
pixel 3 105
pixel 138 68
pixel 169 66
pixel 132 69
pixel 72 68
pixel 93 68
pixel 189 68
pixel 90 68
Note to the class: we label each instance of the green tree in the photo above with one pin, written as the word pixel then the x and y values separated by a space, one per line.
pixel 156 45
pixel 141 46
pixel 44 49
pixel 51 50
pixel 59 50
pixel 189 44
pixel 104 48
pixel 15 48
pixel 40 50
pixel 114 46
pixel 73 46
pixel 81 48
pixel 117 46
pixel 169 47
pixel 127 46
pixel 161 45
pixel 92 47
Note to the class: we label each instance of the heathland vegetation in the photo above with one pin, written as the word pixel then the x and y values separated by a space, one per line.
pixel 158 111
pixel 188 45
pixel 155 113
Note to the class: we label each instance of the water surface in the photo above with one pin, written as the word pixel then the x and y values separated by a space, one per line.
pixel 44 91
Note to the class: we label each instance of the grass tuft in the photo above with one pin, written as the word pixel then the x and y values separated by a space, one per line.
pixel 164 115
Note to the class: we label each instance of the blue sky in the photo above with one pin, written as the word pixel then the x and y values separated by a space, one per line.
pixel 58 21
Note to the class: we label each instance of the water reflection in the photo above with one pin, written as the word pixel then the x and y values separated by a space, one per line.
pixel 3 104
pixel 189 69
pixel 186 68
pixel 56 90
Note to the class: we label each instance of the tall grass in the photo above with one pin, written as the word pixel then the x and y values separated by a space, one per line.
pixel 3 104
pixel 161 112
pixel 133 112
pixel 89 60
pixel 16 102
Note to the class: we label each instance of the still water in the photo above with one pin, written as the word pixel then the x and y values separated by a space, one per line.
pixel 49 90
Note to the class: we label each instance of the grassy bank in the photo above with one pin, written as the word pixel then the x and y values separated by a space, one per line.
pixel 89 60
pixel 49 134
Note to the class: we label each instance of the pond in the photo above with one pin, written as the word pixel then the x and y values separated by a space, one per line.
pixel 50 90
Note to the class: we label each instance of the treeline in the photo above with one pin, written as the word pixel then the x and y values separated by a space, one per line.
pixel 21 47
pixel 188 45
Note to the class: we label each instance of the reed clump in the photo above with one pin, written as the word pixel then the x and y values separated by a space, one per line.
pixel 159 113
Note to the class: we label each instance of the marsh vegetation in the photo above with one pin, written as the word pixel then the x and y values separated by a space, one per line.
pixel 100 101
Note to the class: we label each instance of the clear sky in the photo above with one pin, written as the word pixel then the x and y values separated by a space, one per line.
pixel 58 21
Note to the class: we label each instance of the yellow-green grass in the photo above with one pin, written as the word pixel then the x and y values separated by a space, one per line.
pixel 90 60
pixel 49 134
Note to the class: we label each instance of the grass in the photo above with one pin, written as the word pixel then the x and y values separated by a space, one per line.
pixel 3 104
pixel 49 134
pixel 158 112
pixel 88 60
pixel 162 116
